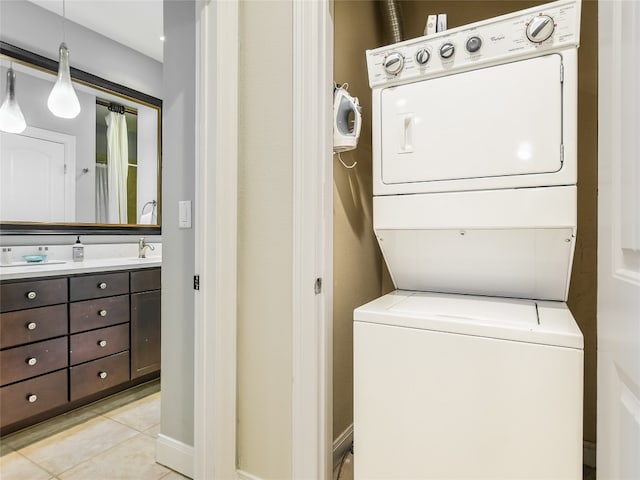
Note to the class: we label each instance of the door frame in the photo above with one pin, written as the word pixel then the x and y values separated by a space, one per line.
pixel 312 329
pixel 216 239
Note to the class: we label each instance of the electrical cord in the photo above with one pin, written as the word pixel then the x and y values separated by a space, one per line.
pixel 343 460
pixel 355 162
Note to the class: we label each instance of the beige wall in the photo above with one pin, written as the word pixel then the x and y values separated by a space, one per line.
pixel 357 261
pixel 265 239
pixel 357 267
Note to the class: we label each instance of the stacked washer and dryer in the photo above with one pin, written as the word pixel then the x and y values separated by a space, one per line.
pixel 473 367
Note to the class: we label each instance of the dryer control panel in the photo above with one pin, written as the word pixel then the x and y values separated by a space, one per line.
pixel 551 27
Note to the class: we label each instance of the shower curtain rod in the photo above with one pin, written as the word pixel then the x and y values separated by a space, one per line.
pixel 107 104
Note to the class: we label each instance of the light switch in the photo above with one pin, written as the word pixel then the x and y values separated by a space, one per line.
pixel 184 214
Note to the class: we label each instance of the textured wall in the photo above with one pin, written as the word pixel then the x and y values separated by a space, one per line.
pixel 265 231
pixel 178 179
pixel 357 261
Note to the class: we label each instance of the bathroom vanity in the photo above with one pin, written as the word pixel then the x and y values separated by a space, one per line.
pixel 70 335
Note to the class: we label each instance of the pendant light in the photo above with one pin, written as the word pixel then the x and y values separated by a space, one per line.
pixel 63 101
pixel 11 117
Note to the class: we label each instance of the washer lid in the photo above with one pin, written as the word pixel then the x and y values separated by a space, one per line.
pixel 546 323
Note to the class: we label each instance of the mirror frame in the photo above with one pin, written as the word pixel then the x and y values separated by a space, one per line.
pixel 25 57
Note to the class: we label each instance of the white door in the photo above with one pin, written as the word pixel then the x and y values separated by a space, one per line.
pixel 618 448
pixel 37 177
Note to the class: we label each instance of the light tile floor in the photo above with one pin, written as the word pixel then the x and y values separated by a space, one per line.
pixel 113 439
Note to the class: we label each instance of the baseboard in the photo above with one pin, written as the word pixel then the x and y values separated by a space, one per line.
pixel 589 454
pixel 246 476
pixel 341 444
pixel 176 455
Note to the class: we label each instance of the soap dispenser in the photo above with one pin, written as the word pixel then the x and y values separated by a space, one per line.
pixel 78 251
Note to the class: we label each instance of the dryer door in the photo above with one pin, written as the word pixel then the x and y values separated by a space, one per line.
pixel 497 121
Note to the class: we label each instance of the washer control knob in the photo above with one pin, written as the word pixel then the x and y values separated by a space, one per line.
pixel 393 63
pixel 447 50
pixel 423 56
pixel 474 44
pixel 540 28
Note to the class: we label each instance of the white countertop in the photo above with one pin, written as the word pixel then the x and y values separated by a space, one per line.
pixel 98 258
pixel 70 267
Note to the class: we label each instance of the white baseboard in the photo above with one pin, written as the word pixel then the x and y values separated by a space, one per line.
pixel 589 454
pixel 176 455
pixel 246 476
pixel 341 444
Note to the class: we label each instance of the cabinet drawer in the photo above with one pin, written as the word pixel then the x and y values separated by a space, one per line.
pixel 144 280
pixel 32 325
pixel 38 293
pixel 92 314
pixel 31 360
pixel 98 286
pixel 98 343
pixel 99 375
pixel 31 397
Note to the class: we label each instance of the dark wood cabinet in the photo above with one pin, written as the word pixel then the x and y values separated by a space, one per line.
pixel 145 333
pixel 31 294
pixel 68 341
pixel 96 286
pixel 32 397
pixel 102 312
pixel 32 325
pixel 97 375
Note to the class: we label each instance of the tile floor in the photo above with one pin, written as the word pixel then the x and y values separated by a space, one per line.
pixel 114 438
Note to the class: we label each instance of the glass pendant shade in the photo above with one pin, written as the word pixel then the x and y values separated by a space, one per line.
pixel 63 101
pixel 11 117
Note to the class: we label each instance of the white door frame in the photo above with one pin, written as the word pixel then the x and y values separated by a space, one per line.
pixel 312 393
pixel 216 238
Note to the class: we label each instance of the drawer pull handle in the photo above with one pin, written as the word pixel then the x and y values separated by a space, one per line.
pixel 32 361
pixel 31 295
pixel 102 313
pixel 102 375
pixel 102 343
pixel 102 285
pixel 31 326
pixel 32 398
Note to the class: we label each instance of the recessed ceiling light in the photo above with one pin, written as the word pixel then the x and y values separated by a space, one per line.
pixel 162 38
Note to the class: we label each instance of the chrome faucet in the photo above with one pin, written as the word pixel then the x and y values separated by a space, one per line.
pixel 142 247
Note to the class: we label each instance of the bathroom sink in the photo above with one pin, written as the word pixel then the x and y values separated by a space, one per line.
pixel 33 264
pixel 147 259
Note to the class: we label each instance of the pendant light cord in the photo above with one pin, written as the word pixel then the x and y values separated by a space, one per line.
pixel 64 23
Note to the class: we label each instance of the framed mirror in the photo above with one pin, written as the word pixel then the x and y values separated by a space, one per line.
pixel 98 173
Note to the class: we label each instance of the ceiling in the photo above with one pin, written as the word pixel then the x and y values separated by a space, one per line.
pixel 134 23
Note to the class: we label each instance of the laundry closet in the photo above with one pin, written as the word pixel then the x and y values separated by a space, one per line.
pixel 360 273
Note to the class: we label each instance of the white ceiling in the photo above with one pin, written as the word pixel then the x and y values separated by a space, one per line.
pixel 134 23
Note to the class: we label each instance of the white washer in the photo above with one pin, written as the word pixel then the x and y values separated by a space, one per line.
pixel 462 387
pixel 475 168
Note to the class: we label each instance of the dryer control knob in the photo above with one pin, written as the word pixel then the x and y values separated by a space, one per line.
pixel 447 50
pixel 474 44
pixel 393 63
pixel 540 28
pixel 422 56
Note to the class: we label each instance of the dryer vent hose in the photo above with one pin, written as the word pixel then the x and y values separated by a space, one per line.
pixel 392 20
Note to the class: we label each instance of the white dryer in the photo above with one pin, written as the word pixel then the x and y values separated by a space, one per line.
pixel 475 168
